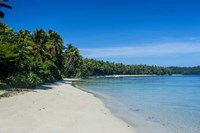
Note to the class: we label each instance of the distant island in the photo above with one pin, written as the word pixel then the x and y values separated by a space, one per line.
pixel 185 70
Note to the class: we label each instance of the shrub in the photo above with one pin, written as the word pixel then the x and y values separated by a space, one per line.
pixel 20 80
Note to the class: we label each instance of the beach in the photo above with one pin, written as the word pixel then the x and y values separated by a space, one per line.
pixel 61 108
pixel 151 104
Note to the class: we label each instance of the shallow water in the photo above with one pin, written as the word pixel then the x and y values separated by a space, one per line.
pixel 153 104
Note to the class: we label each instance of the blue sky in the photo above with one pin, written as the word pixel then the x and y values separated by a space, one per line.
pixel 153 32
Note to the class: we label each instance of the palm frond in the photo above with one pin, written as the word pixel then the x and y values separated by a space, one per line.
pixel 4 5
pixel 4 0
pixel 1 14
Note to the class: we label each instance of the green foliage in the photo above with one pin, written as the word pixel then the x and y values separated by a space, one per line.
pixel 8 60
pixel 91 67
pixel 19 80
pixel 4 86
pixel 185 70
pixel 28 59
pixel 47 71
pixel 73 62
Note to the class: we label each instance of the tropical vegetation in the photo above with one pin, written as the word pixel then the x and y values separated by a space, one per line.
pixel 28 59
pixel 185 70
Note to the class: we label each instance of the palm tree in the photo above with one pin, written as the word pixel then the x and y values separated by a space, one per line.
pixel 4 5
pixel 40 39
pixel 55 47
pixel 5 32
pixel 73 61
pixel 72 56
pixel 55 43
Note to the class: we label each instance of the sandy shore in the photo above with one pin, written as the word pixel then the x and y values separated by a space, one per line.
pixel 61 109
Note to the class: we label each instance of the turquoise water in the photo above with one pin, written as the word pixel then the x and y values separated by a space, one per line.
pixel 152 104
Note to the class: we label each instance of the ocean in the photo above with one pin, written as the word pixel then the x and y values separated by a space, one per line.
pixel 151 104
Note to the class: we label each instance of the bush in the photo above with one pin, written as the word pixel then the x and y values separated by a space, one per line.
pixel 4 86
pixel 47 71
pixel 20 80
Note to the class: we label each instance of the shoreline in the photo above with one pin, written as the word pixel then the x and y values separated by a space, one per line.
pixel 117 76
pixel 139 122
pixel 61 108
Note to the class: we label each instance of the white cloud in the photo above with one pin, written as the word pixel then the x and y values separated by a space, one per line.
pixel 141 51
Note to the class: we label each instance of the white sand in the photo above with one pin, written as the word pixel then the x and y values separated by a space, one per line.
pixel 63 109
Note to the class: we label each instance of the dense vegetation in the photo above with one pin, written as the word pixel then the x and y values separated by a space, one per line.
pixel 93 67
pixel 185 70
pixel 28 59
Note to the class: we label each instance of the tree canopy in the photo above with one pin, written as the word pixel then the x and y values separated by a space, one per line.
pixel 185 70
pixel 28 59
